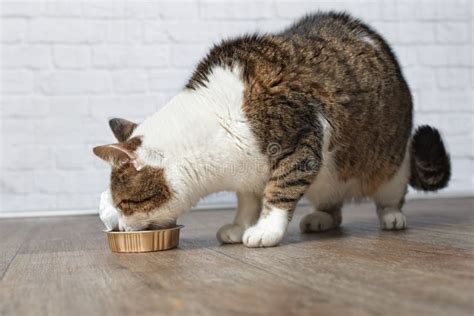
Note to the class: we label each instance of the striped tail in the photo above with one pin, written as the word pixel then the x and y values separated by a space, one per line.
pixel 430 163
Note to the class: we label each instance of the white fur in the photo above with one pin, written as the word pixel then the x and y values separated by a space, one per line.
pixel 268 231
pixel 369 40
pixel 327 190
pixel 248 210
pixel 204 143
pixel 230 234
pixel 388 196
pixel 392 219
pixel 392 192
pixel 107 212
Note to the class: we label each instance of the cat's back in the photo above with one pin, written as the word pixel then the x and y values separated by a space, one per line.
pixel 363 93
pixel 333 26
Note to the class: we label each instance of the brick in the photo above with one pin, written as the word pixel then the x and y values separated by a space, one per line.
pixel 49 131
pixel 188 55
pixel 407 32
pixel 367 10
pixel 74 157
pixel 68 106
pixel 148 56
pixel 459 168
pixel 71 56
pixel 169 79
pixel 62 9
pixel 13 30
pixel 31 56
pixel 21 8
pixel 443 10
pixel 444 122
pixel 78 201
pixel 400 10
pixel 453 32
pixel 16 82
pixel 460 146
pixel 183 9
pixel 141 10
pixel 27 202
pixel 26 157
pixel 71 181
pixel 237 28
pixel 458 186
pixel 16 182
pixel 407 55
pixel 64 30
pixel 449 78
pixel 193 31
pixel 126 106
pixel 17 131
pixel 447 101
pixel 420 78
pixel 123 31
pixel 74 82
pixel 130 81
pixel 154 32
pixel 25 106
pixel 272 25
pixel 103 9
pixel 296 9
pixel 236 9
pixel 445 55
pixel 83 131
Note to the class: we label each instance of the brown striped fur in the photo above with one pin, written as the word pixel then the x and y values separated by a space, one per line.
pixel 326 65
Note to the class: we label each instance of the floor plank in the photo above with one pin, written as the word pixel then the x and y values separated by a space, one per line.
pixel 62 265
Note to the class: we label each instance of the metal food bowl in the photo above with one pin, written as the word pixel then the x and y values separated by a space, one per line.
pixel 144 241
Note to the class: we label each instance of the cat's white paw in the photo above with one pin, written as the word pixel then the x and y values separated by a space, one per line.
pixel 393 220
pixel 268 231
pixel 258 236
pixel 230 234
pixel 317 222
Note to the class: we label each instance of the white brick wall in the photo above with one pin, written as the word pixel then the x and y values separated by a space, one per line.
pixel 68 66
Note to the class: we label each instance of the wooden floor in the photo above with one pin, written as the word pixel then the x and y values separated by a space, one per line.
pixel 62 266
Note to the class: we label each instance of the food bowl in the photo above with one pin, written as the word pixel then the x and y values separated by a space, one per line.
pixel 144 241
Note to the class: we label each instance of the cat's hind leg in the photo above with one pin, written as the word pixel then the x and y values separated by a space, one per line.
pixel 327 195
pixel 390 197
pixel 249 206
pixel 322 219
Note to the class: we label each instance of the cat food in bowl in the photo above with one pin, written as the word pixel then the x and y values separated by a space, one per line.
pixel 144 241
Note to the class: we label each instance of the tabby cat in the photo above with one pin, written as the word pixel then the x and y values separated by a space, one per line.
pixel 320 110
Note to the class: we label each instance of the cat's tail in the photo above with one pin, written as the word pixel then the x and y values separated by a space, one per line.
pixel 430 164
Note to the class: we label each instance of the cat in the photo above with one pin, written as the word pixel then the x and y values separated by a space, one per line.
pixel 320 110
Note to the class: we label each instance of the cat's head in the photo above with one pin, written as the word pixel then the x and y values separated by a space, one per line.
pixel 140 192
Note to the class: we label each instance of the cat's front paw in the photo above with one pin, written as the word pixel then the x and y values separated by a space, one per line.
pixel 258 236
pixel 395 220
pixel 230 234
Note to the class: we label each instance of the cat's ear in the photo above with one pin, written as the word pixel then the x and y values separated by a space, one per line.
pixel 115 154
pixel 122 128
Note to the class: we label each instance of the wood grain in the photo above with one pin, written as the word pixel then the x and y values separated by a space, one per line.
pixel 62 265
